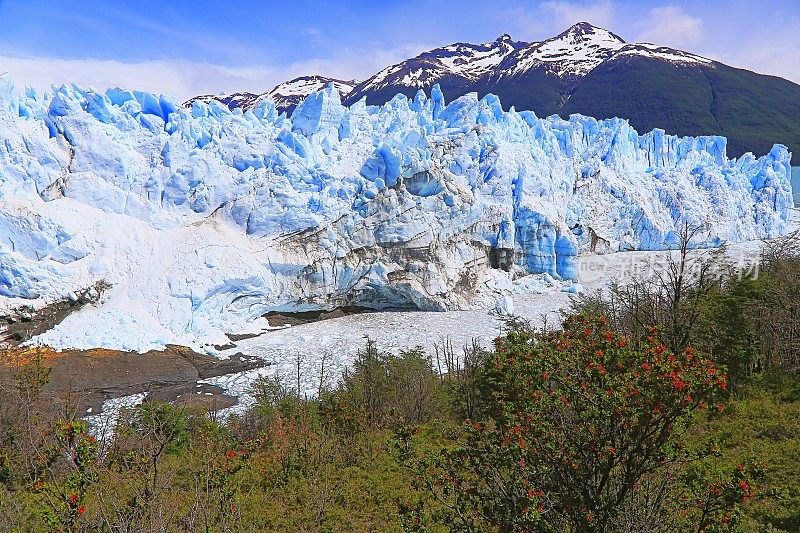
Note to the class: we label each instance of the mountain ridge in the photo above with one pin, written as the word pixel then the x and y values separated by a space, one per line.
pixel 286 95
pixel 591 71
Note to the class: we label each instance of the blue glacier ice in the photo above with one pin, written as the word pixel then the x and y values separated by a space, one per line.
pixel 203 219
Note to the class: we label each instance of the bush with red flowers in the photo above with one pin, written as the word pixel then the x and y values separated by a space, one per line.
pixel 581 430
pixel 62 498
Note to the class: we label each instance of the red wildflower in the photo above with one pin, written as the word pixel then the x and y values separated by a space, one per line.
pixel 73 499
pixel 646 366
pixel 81 509
pixel 230 454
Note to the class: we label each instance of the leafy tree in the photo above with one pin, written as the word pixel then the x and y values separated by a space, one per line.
pixel 384 390
pixel 145 435
pixel 727 327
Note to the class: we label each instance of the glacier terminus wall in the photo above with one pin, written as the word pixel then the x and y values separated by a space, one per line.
pixel 201 220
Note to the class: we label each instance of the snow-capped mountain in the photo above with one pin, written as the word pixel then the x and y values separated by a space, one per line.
pixel 568 56
pixel 201 220
pixel 285 95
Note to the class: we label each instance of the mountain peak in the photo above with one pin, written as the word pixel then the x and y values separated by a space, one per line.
pixel 573 52
pixel 583 26
pixel 585 31
pixel 505 38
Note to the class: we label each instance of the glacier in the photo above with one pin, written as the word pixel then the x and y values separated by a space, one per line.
pixel 202 219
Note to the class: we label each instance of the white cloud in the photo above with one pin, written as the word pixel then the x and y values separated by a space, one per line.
pixel 177 78
pixel 185 79
pixel 564 14
pixel 670 25
pixel 551 17
pixel 774 50
pixel 778 57
pixel 356 64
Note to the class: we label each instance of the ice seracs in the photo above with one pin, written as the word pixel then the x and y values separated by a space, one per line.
pixel 203 219
pixel 504 305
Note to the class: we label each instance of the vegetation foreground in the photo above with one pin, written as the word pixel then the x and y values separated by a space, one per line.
pixel 671 404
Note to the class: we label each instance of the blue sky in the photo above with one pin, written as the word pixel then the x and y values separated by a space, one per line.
pixel 190 47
